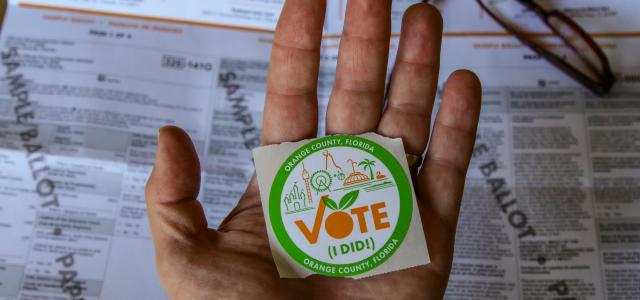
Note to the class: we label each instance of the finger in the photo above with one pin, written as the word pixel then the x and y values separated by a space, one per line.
pixel 358 92
pixel 441 180
pixel 174 213
pixel 247 215
pixel 291 108
pixel 415 79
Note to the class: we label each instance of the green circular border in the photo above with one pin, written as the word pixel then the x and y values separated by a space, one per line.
pixel 404 219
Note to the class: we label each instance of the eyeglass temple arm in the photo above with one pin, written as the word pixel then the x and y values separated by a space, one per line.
pixel 533 6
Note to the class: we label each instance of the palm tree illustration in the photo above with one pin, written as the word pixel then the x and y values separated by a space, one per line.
pixel 368 164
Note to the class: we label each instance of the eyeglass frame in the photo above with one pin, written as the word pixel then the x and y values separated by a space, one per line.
pixel 606 78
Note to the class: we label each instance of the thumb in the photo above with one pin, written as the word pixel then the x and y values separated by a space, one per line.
pixel 174 213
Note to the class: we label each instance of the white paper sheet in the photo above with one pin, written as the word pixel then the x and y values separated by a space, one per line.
pixel 100 85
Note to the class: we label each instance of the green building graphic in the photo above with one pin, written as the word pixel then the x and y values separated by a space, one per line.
pixel 296 200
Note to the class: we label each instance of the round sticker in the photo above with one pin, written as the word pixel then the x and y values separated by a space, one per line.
pixel 341 205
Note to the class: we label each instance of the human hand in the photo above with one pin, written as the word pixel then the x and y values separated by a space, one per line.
pixel 234 261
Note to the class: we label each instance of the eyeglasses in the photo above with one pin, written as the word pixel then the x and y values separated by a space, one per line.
pixel 578 56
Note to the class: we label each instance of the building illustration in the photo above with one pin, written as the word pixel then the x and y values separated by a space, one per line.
pixel 355 176
pixel 296 200
pixel 307 186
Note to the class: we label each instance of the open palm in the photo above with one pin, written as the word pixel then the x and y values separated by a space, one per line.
pixel 234 261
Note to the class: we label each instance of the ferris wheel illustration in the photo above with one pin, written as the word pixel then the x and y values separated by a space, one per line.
pixel 321 181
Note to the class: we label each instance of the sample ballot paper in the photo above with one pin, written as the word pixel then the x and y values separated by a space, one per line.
pixel 551 208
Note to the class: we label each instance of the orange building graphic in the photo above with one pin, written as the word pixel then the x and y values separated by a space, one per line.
pixel 306 179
